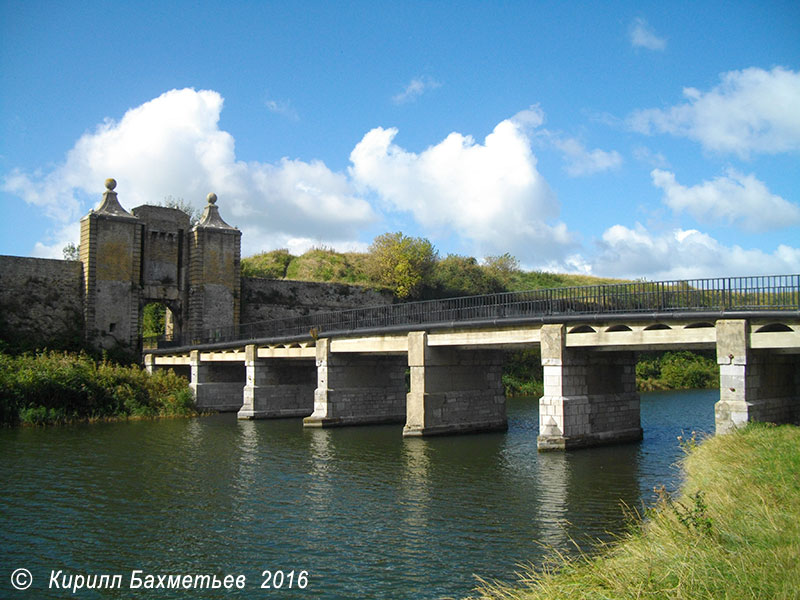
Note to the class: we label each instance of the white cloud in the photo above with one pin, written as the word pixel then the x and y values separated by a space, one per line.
pixel 415 89
pixel 172 145
pixel 736 199
pixel 53 245
pixel 647 156
pixel 581 162
pixel 643 36
pixel 752 110
pixel 283 108
pixel 683 254
pixel 491 194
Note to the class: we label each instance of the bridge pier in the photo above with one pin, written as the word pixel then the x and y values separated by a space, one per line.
pixel 357 389
pixel 589 397
pixel 277 387
pixel 755 385
pixel 216 385
pixel 453 390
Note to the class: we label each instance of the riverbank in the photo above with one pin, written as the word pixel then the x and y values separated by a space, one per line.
pixel 655 372
pixel 734 532
pixel 61 387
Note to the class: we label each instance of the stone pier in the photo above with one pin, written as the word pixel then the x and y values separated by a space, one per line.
pixel 589 397
pixel 357 389
pixel 453 390
pixel 754 385
pixel 216 385
pixel 277 387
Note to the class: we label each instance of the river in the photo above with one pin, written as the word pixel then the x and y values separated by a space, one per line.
pixel 354 512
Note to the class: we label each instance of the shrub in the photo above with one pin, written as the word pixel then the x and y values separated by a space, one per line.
pixel 52 387
pixel 402 263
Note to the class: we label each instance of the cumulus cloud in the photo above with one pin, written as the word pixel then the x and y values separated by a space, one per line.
pixel 173 146
pixel 643 36
pixel 683 254
pixel 415 89
pixel 736 199
pixel 489 194
pixel 581 162
pixel 750 111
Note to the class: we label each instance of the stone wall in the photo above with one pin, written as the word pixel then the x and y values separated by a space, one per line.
pixel 41 302
pixel 264 299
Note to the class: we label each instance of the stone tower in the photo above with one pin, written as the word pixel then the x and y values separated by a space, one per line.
pixel 111 244
pixel 155 255
pixel 214 273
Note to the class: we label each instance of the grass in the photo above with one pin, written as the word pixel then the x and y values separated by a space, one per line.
pixel 323 264
pixel 734 533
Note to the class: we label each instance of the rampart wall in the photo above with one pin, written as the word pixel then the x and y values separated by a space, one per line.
pixel 41 302
pixel 264 299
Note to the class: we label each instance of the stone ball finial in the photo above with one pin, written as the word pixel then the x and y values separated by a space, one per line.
pixel 111 183
pixel 212 198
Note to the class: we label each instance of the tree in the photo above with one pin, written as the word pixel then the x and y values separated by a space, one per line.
pixel 502 267
pixel 463 276
pixel 184 207
pixel 71 252
pixel 403 264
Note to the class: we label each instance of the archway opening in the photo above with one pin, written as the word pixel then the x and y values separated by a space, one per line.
pixel 158 325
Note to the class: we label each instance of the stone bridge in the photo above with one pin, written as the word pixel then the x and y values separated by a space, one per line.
pixel 436 366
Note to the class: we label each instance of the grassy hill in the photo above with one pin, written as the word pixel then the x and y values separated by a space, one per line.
pixel 450 276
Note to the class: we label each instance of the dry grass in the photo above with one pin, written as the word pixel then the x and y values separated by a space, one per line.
pixel 734 533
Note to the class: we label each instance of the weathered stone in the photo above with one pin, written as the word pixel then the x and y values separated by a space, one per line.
pixel 453 390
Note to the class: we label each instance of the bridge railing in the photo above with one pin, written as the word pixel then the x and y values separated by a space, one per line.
pixel 775 292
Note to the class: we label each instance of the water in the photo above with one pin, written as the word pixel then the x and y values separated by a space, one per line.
pixel 366 513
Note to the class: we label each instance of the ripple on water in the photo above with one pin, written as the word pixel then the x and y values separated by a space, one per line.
pixel 366 512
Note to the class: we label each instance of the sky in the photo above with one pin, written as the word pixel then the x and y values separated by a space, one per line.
pixel 645 140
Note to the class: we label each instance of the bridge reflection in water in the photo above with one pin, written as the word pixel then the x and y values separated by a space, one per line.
pixel 350 367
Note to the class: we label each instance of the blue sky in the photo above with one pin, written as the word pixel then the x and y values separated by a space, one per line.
pixel 644 140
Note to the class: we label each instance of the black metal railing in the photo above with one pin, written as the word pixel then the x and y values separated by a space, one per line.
pixel 734 294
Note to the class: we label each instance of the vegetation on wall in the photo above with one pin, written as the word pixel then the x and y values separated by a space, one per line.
pixel 410 267
pixel 59 387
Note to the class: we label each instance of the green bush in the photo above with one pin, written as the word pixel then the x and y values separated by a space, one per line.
pixel 522 374
pixel 402 263
pixel 52 387
pixel 462 276
pixel 682 370
pixel 269 265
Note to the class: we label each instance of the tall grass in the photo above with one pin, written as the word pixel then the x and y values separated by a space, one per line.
pixel 734 533
pixel 59 387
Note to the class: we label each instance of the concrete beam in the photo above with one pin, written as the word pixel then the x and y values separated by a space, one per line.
pixel 382 344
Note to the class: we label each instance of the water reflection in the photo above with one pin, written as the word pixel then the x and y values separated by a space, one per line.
pixel 552 510
pixel 415 493
pixel 368 513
